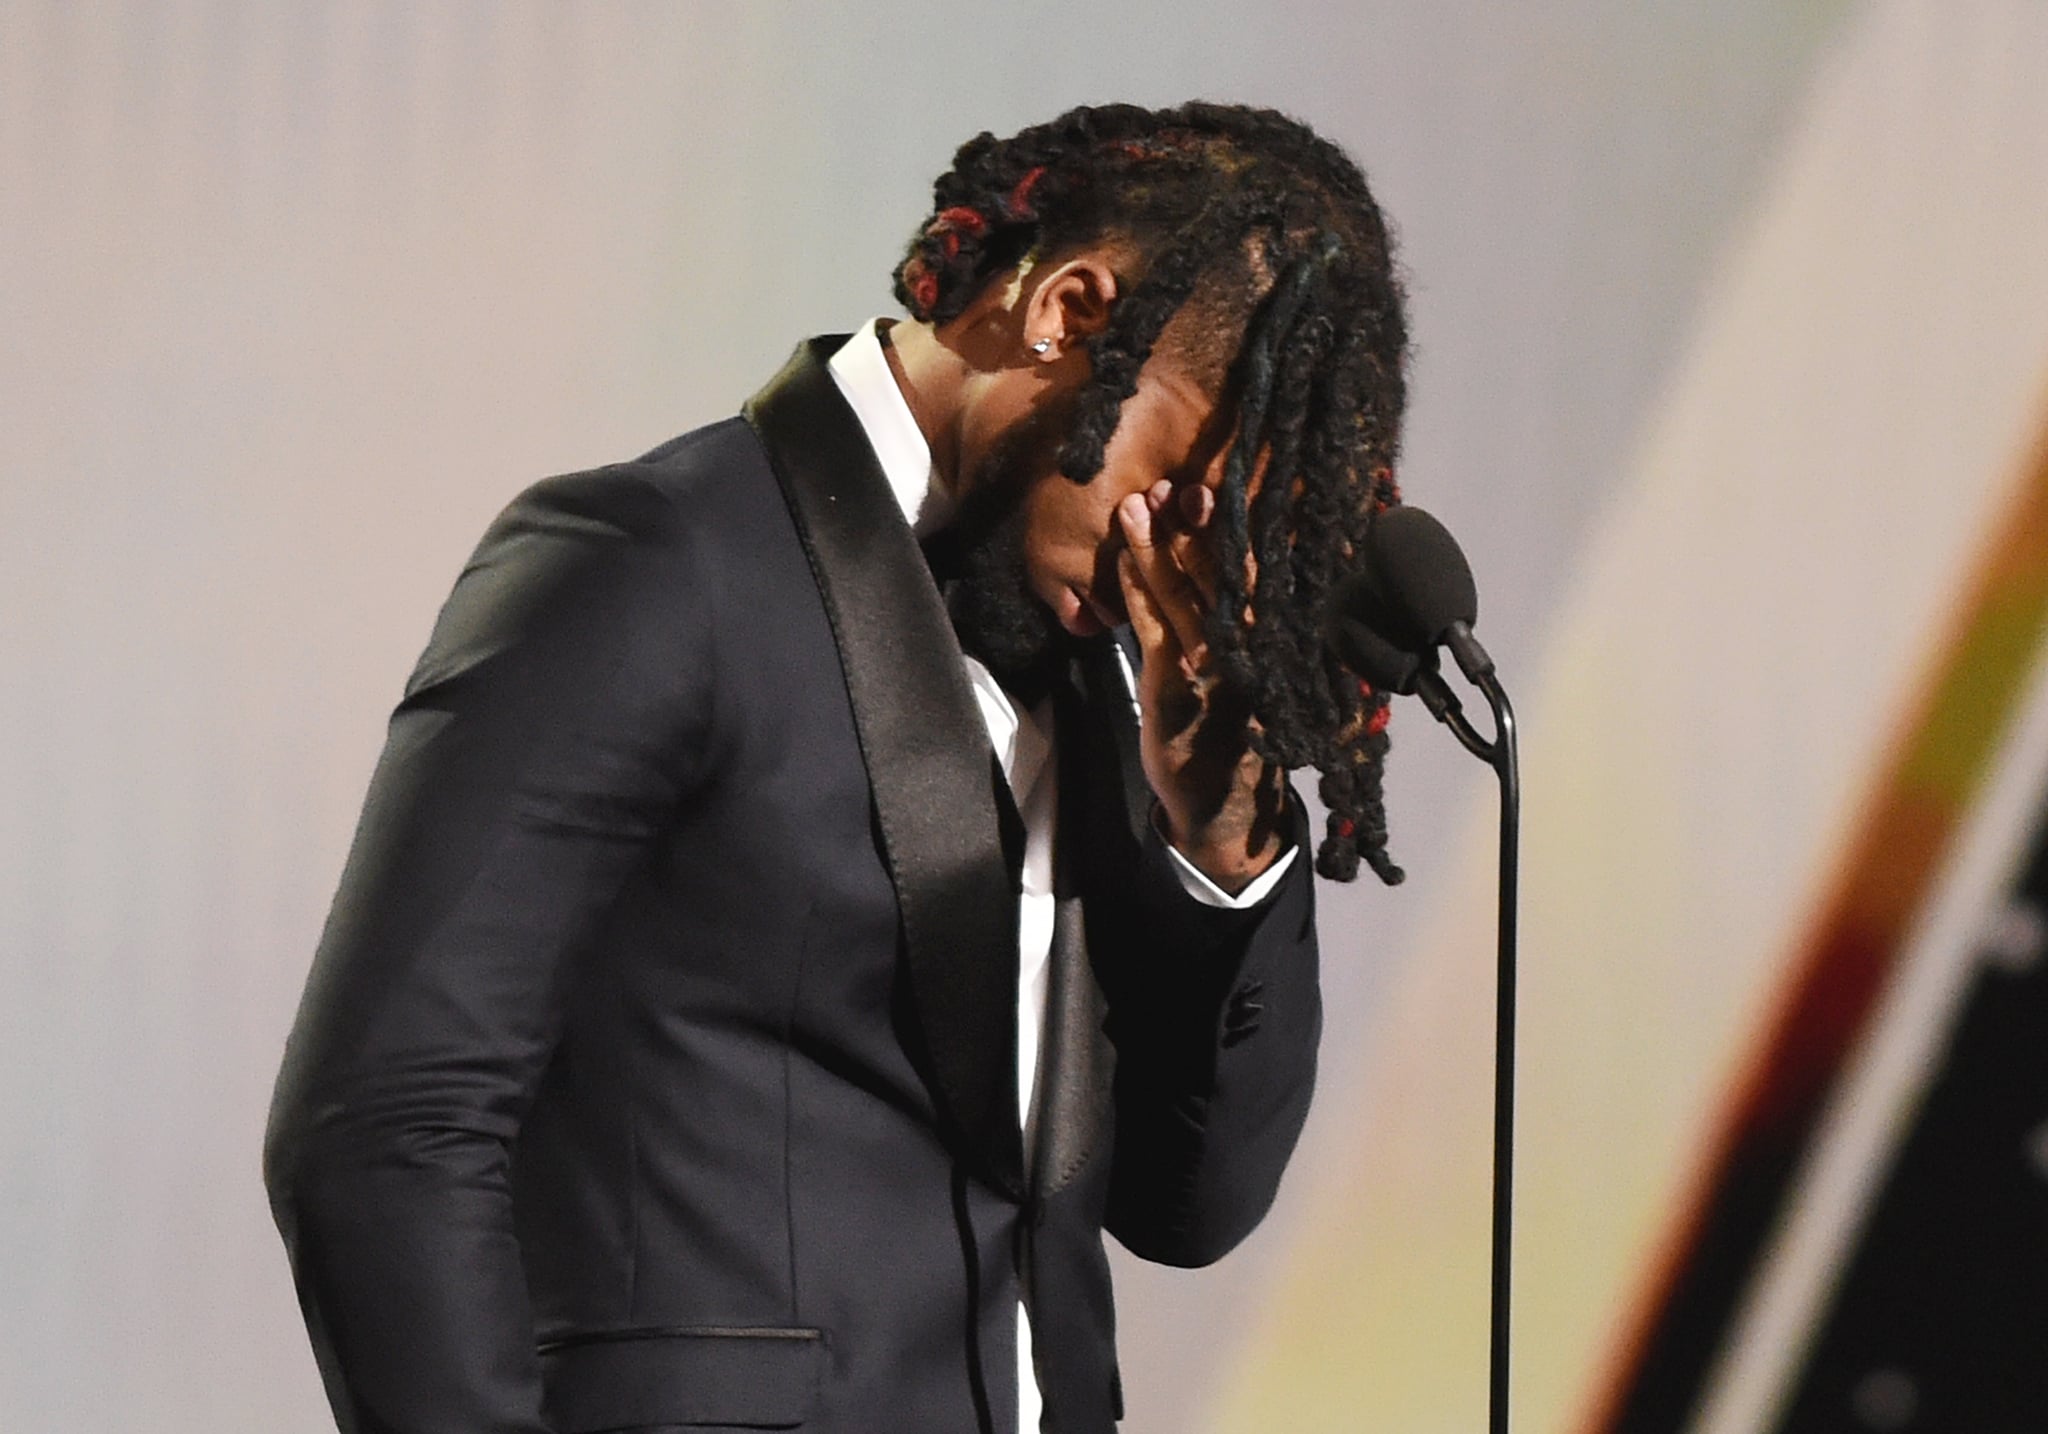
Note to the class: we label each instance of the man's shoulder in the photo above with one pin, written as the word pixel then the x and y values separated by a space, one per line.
pixel 629 554
pixel 715 445
pixel 693 478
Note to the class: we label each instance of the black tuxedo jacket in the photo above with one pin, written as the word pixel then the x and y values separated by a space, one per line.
pixel 656 1070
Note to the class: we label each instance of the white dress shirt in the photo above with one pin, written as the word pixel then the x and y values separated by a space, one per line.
pixel 1023 744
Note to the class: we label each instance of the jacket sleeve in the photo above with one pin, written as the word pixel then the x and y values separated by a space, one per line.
pixel 1215 1015
pixel 552 726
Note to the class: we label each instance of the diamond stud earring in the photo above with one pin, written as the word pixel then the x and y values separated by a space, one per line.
pixel 1042 347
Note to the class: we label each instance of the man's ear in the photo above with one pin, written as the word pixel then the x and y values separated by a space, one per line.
pixel 1071 303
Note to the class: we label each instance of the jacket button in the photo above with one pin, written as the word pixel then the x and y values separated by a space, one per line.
pixel 1241 1014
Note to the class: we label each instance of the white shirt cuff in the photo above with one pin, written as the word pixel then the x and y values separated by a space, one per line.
pixel 1210 894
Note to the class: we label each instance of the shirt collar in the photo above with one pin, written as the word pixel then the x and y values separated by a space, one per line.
pixel 861 370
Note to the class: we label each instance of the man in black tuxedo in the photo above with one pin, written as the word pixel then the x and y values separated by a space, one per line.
pixel 794 916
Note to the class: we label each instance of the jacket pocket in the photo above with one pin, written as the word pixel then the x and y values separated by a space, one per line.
pixel 746 1377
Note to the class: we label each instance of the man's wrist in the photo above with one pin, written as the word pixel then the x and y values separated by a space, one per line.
pixel 1243 839
pixel 1230 866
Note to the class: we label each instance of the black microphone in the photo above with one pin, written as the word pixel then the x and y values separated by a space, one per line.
pixel 1411 593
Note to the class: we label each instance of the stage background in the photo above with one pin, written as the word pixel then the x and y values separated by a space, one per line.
pixel 1731 362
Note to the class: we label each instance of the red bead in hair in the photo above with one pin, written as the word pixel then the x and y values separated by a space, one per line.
pixel 1019 202
pixel 1377 723
pixel 1344 826
pixel 923 285
pixel 967 221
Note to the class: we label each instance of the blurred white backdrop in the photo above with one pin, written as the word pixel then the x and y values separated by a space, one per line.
pixel 293 298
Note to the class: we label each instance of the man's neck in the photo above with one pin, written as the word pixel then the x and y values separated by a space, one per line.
pixel 930 377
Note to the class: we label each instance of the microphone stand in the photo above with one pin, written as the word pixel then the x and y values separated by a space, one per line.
pixel 1499 753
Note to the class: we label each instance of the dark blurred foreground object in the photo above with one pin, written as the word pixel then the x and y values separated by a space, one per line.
pixel 1940 1319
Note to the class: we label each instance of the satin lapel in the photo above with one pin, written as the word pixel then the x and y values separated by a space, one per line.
pixel 926 750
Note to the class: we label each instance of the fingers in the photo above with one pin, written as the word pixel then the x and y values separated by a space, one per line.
pixel 1156 635
pixel 1179 515
pixel 1155 631
pixel 1193 547
pixel 1152 565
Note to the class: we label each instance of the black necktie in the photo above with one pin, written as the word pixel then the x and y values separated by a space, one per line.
pixel 1009 822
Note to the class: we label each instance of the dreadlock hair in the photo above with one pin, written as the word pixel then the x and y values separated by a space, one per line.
pixel 1266 239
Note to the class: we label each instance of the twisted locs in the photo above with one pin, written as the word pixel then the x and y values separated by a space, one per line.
pixel 1263 263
